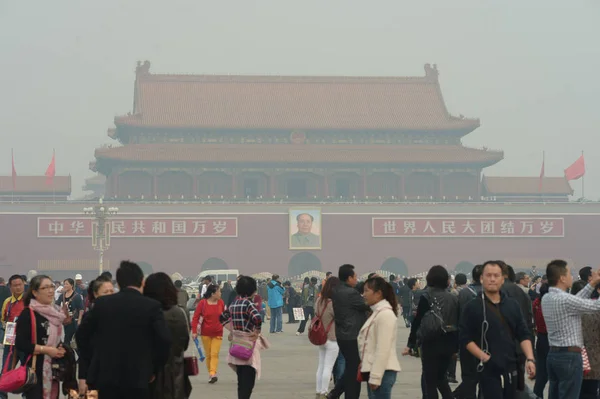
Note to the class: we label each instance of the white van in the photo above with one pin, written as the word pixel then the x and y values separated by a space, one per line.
pixel 220 276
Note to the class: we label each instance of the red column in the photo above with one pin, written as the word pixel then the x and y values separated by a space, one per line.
pixel 402 187
pixel 326 186
pixel 154 185
pixel 272 189
pixel 233 185
pixel 115 184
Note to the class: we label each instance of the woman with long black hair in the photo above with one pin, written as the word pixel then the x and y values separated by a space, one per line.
pixel 170 382
pixel 47 320
pixel 436 353
pixel 377 339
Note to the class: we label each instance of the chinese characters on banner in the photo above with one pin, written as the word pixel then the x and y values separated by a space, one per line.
pixel 468 227
pixel 74 227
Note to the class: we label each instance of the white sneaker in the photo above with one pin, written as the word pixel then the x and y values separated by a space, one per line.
pixel 298 333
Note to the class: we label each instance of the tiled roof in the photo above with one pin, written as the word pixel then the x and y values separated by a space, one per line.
pixel 526 185
pixel 289 153
pixel 291 102
pixel 35 184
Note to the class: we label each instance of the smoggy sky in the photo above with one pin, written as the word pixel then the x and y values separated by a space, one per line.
pixel 528 69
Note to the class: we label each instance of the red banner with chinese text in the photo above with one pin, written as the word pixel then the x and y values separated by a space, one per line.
pixel 74 227
pixel 433 227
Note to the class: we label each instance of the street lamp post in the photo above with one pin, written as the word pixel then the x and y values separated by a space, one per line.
pixel 100 229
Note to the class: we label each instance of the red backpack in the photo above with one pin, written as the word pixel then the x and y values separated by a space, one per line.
pixel 317 334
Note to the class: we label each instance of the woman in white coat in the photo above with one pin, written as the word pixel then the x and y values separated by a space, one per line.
pixel 377 339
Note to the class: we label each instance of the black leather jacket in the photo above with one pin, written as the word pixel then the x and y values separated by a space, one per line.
pixel 350 312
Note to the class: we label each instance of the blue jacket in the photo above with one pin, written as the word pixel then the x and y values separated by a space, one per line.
pixel 275 291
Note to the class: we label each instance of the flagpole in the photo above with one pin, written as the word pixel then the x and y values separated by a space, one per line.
pixel 53 185
pixel 12 156
pixel 582 182
pixel 544 173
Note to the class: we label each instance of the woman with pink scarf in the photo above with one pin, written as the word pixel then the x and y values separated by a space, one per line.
pixel 49 329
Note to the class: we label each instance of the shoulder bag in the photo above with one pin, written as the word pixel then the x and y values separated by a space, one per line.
pixel 23 378
pixel 190 363
pixel 317 334
pixel 432 324
pixel 242 347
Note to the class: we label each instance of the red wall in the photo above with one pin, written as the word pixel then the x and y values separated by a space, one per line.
pixel 262 245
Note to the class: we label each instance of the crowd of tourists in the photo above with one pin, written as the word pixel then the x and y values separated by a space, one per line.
pixel 131 342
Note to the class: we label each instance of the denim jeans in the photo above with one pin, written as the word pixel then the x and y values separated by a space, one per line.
pixel 385 389
pixel 565 372
pixel 276 319
pixel 338 376
pixel 339 367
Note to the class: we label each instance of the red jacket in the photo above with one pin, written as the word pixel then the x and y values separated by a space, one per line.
pixel 211 323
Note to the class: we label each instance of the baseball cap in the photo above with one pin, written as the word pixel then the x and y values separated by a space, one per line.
pixel 78 277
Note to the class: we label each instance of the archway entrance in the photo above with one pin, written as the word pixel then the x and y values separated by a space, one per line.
pixel 396 266
pixel 464 267
pixel 214 264
pixel 303 262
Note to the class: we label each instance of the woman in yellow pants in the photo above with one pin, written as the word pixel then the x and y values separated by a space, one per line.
pixel 206 322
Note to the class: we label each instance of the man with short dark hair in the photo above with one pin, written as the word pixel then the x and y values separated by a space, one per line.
pixel 562 314
pixel 488 329
pixel 406 299
pixel 182 296
pixel 522 280
pixel 304 237
pixel 350 312
pixel 124 339
pixel 206 281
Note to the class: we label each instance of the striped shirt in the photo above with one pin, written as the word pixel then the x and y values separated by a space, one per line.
pixel 562 314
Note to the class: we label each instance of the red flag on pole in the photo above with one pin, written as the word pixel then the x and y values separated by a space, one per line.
pixel 51 171
pixel 576 170
pixel 542 175
pixel 14 171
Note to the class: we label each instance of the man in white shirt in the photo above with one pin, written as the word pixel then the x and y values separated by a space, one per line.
pixel 207 281
pixel 562 314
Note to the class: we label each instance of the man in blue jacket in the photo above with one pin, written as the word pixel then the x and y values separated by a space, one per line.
pixel 276 291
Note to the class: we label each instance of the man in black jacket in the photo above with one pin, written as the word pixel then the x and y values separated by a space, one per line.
pixel 491 328
pixel 350 312
pixel 124 338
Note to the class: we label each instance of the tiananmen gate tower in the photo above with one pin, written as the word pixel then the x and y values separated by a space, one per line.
pixel 289 174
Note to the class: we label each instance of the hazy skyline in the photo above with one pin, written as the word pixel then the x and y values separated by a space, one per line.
pixel 528 70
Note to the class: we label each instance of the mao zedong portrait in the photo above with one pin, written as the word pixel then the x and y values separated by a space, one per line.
pixel 304 237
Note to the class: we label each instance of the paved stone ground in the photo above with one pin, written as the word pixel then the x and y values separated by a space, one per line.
pixel 289 367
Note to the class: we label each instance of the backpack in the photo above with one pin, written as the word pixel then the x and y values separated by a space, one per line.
pixel 317 334
pixel 432 323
